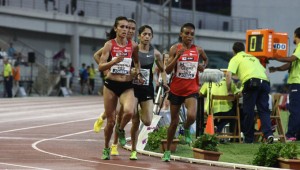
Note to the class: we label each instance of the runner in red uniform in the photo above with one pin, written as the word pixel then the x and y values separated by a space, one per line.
pixel 98 123
pixel 185 61
pixel 118 83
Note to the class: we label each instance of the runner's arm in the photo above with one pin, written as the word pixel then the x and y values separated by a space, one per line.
pixel 103 64
pixel 97 55
pixel 204 58
pixel 173 56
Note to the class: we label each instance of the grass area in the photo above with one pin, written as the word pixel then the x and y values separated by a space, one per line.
pixel 230 151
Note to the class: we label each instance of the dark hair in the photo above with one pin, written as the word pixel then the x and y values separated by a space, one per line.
pixel 184 26
pixel 297 32
pixel 142 28
pixel 238 47
pixel 131 20
pixel 187 25
pixel 112 33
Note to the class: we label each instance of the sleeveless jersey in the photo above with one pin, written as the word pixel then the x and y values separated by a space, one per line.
pixel 146 62
pixel 185 80
pixel 124 66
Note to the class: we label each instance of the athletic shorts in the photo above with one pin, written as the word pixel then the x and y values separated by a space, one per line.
pixel 143 93
pixel 117 87
pixel 178 100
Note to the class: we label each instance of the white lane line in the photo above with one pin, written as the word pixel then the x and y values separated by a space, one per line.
pixel 22 166
pixel 49 109
pixel 53 124
pixel 35 139
pixel 52 115
pixel 34 146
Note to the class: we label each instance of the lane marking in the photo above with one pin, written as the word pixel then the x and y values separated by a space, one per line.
pixel 23 166
pixel 51 110
pixel 35 139
pixel 48 116
pixel 34 146
pixel 53 124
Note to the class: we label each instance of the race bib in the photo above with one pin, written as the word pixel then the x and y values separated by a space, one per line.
pixel 122 67
pixel 146 76
pixel 186 69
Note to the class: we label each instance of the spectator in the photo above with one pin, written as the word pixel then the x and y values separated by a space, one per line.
pixel 73 6
pixel 71 71
pixel 11 52
pixel 63 77
pixel 19 57
pixel 92 73
pixel 8 78
pixel 220 107
pixel 3 53
pixel 83 77
pixel 16 74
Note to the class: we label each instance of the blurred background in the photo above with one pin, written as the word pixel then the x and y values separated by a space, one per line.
pixel 47 35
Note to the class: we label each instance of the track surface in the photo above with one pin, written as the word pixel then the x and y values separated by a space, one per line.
pixel 56 133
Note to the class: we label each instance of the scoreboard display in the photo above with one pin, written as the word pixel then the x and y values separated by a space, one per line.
pixel 266 43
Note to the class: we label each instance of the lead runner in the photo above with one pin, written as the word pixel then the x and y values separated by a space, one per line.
pixel 118 83
pixel 184 60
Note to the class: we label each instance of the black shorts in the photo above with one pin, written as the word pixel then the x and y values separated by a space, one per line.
pixel 117 87
pixel 178 100
pixel 143 93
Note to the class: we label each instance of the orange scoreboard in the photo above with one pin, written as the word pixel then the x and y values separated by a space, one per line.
pixel 266 43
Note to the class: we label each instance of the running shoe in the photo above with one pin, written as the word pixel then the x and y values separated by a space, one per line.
pixel 167 156
pixel 188 138
pixel 133 155
pixel 121 136
pixel 105 154
pixel 114 150
pixel 98 124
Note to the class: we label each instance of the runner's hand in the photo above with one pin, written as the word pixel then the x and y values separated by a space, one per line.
pixel 118 59
pixel 201 67
pixel 180 52
pixel 140 78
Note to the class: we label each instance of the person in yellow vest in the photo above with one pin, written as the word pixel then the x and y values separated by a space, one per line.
pixel 220 107
pixel 292 64
pixel 256 89
pixel 8 77
pixel 92 74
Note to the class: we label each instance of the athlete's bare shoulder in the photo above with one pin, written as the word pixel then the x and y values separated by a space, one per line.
pixel 156 52
pixel 109 42
pixel 174 47
pixel 199 49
